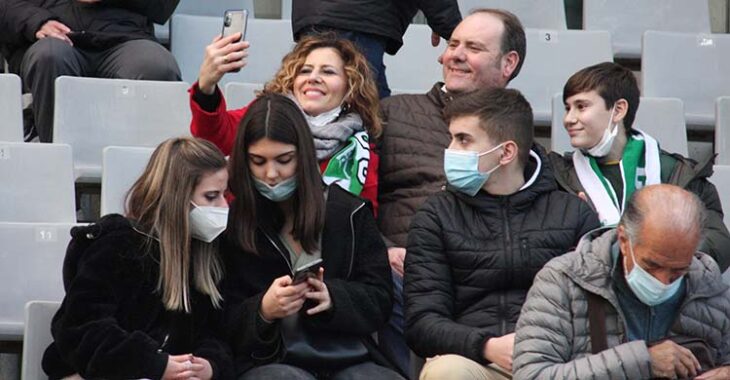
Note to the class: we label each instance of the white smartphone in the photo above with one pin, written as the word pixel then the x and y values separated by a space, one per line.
pixel 234 21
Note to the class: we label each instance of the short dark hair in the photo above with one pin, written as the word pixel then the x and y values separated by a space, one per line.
pixel 513 37
pixel 504 113
pixel 275 117
pixel 612 82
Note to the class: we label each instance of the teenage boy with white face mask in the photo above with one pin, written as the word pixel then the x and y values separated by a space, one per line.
pixel 474 248
pixel 613 158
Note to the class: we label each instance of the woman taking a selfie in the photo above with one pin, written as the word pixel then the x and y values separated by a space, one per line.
pixel 142 297
pixel 331 83
pixel 283 218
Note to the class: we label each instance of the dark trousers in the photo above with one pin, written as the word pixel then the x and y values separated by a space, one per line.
pixel 363 371
pixel 50 58
pixel 391 341
pixel 372 47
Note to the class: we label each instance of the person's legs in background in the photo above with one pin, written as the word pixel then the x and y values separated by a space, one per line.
pixel 42 63
pixel 137 59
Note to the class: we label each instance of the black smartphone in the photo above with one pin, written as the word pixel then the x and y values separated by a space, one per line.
pixel 234 21
pixel 306 271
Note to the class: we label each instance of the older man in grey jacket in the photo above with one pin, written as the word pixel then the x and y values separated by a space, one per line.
pixel 651 289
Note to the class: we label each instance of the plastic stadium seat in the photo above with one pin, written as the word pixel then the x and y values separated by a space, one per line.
pixel 662 118
pixel 545 14
pixel 692 67
pixel 415 66
pixel 627 20
pixel 721 179
pixel 37 337
pixel 204 8
pixel 722 130
pixel 37 183
pixel 122 166
pixel 552 57
pixel 240 94
pixel 11 108
pixel 286 9
pixel 31 262
pixel 93 113
pixel 270 41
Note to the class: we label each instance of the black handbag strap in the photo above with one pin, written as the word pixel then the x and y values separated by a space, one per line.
pixel 597 322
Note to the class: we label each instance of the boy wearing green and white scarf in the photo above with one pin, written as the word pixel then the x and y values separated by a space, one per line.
pixel 612 160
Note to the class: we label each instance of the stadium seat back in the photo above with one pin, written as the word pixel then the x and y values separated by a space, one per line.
pixel 122 166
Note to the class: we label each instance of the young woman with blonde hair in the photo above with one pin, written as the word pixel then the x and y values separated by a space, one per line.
pixel 142 298
pixel 331 83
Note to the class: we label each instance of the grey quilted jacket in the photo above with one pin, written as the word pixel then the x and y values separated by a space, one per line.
pixel 553 337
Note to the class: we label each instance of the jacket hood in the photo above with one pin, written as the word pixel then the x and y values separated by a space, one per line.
pixel 539 180
pixel 590 266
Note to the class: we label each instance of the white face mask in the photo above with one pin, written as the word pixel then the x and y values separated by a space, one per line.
pixel 609 135
pixel 207 222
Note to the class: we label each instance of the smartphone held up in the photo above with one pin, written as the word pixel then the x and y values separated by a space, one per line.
pixel 234 21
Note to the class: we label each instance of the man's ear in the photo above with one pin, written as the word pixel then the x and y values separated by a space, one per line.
pixel 510 152
pixel 509 64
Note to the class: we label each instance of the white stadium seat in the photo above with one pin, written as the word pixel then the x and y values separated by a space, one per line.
pixel 240 94
pixel 539 14
pixel 552 57
pixel 722 130
pixel 93 113
pixel 415 66
pixel 692 67
pixel 37 183
pixel 11 108
pixel 662 118
pixel 122 165
pixel 37 337
pixel 627 20
pixel 31 263
pixel 270 41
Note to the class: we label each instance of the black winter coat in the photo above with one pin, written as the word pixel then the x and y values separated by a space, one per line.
pixel 471 261
pixel 112 323
pixel 96 26
pixel 385 18
pixel 356 273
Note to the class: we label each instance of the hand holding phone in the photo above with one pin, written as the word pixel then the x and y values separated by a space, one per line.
pixel 234 21
pixel 306 271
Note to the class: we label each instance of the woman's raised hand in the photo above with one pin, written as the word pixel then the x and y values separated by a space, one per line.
pixel 221 56
pixel 283 299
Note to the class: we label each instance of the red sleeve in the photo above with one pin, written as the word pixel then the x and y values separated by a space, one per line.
pixel 370 188
pixel 218 127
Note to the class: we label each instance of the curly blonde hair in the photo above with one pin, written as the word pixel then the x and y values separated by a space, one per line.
pixel 362 94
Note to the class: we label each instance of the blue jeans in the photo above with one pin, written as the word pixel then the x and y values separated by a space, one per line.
pixel 371 46
pixel 362 371
pixel 391 341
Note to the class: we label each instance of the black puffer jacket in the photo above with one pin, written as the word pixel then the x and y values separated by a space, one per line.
pixel 112 323
pixel 96 26
pixel 471 260
pixel 386 18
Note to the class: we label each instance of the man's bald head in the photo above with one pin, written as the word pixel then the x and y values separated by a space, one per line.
pixel 666 209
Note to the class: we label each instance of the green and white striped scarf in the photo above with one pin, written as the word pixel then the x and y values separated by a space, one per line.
pixel 637 171
pixel 348 167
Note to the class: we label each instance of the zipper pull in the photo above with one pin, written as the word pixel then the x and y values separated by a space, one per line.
pixel 164 343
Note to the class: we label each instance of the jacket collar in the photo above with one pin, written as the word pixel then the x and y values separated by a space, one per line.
pixel 594 263
pixel 538 180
